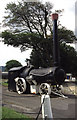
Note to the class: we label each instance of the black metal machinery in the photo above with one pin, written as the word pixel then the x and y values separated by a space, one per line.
pixel 21 78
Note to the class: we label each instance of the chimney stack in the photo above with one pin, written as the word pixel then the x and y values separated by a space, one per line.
pixel 55 41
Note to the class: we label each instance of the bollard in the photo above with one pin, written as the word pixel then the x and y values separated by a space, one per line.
pixel 46 107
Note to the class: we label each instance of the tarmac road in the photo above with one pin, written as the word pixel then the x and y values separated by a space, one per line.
pixel 29 104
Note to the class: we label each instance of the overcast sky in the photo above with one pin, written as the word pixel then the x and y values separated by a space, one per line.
pixel 76 18
pixel 67 20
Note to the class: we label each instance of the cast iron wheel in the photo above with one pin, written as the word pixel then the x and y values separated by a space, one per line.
pixel 21 86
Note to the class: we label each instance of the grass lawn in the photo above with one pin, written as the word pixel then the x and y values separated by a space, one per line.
pixel 8 113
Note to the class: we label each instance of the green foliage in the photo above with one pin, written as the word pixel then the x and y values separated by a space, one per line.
pixel 65 35
pixel 68 59
pixel 23 40
pixel 12 63
pixel 28 17
pixel 29 24
pixel 42 57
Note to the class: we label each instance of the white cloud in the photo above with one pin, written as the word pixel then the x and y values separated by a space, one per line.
pixel 68 18
pixel 9 53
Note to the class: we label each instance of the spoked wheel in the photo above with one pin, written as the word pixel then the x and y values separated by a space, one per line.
pixel 21 85
pixel 45 88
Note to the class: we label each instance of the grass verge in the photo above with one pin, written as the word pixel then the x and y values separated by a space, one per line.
pixel 8 114
pixel 5 84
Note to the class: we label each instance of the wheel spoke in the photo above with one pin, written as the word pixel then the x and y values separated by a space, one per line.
pixel 20 86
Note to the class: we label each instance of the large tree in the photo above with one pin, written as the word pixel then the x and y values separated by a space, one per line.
pixel 30 23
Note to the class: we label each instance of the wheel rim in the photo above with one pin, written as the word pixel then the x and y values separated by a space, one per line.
pixel 21 86
pixel 45 89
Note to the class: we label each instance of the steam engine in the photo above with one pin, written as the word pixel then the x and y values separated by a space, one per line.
pixel 21 78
